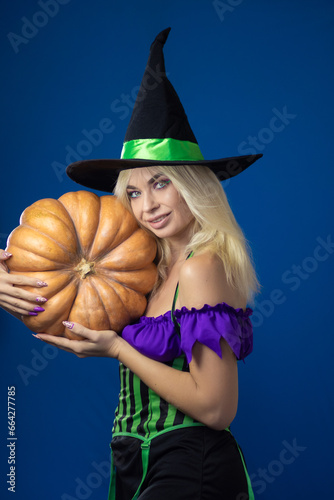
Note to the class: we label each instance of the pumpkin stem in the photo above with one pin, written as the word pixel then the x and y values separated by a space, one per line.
pixel 85 268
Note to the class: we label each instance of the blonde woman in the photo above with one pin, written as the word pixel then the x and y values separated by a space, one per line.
pixel 178 363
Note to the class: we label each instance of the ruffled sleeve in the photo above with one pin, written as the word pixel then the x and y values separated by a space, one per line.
pixel 211 323
pixel 154 337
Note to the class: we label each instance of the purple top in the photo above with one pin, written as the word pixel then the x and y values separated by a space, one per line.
pixel 157 338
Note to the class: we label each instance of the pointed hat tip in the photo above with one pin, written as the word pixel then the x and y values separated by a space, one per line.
pixel 162 36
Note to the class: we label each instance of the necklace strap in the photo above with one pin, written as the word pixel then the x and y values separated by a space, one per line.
pixel 176 294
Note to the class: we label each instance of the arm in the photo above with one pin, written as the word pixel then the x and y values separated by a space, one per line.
pixel 209 391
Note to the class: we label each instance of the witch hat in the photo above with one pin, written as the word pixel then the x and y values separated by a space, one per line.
pixel 158 133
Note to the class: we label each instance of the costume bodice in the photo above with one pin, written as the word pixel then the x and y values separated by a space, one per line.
pixel 141 411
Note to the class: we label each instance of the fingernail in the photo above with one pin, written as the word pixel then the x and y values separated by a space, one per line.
pixel 41 299
pixel 68 324
pixel 32 313
pixel 39 309
pixel 6 254
pixel 41 283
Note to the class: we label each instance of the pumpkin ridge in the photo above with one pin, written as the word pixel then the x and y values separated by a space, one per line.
pixel 50 238
pixel 116 292
pixel 107 251
pixel 85 301
pixel 61 264
pixel 97 229
pixel 78 282
pixel 62 220
pixel 88 250
pixel 142 234
pixel 81 251
pixel 101 300
pixel 122 275
pixel 120 283
pixel 97 232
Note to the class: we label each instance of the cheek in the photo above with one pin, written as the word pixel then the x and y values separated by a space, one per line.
pixel 184 211
pixel 171 198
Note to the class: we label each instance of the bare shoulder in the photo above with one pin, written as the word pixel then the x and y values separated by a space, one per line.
pixel 202 280
pixel 202 268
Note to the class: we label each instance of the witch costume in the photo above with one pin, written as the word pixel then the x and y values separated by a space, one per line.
pixel 158 452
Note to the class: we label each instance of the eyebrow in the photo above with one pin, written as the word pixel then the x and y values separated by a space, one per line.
pixel 154 178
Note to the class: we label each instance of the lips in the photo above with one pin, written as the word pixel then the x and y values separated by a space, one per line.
pixel 159 221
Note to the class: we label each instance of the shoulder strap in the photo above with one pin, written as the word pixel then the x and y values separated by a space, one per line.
pixel 176 294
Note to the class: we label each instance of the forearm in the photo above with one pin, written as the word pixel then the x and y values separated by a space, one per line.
pixel 179 388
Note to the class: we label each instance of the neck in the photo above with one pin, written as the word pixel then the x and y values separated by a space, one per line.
pixel 177 255
pixel 178 245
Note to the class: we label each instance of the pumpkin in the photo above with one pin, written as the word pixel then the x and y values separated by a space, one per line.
pixel 97 262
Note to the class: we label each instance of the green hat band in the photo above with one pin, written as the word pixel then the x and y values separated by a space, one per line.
pixel 161 150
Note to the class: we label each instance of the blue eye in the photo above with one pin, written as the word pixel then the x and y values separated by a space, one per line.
pixel 133 194
pixel 162 183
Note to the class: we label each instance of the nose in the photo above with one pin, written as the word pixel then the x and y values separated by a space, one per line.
pixel 149 202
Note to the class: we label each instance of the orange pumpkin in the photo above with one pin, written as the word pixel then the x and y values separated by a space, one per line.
pixel 96 260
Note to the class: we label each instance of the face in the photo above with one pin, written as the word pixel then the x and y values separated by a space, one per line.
pixel 157 205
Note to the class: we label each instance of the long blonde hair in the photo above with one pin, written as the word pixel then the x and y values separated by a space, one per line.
pixel 215 228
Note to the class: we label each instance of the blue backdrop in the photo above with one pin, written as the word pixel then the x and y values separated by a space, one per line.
pixel 252 76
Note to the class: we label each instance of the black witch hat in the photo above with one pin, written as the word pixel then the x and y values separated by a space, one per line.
pixel 158 133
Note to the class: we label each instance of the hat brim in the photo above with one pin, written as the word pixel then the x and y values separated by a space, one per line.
pixel 102 174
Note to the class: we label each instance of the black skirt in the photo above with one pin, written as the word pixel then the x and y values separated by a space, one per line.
pixel 192 463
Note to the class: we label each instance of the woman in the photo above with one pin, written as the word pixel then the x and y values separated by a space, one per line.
pixel 178 363
pixel 187 211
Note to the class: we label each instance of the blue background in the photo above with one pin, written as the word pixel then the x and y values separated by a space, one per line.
pixel 235 65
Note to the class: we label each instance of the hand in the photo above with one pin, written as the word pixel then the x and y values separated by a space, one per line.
pixel 16 300
pixel 104 343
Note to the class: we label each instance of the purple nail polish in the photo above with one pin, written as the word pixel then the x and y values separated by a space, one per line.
pixel 39 309
pixel 6 254
pixel 41 299
pixel 32 313
pixel 41 283
pixel 68 324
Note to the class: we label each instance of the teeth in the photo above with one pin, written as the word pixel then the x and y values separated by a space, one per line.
pixel 160 218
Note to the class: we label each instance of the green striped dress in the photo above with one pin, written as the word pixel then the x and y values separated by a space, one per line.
pixel 141 412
